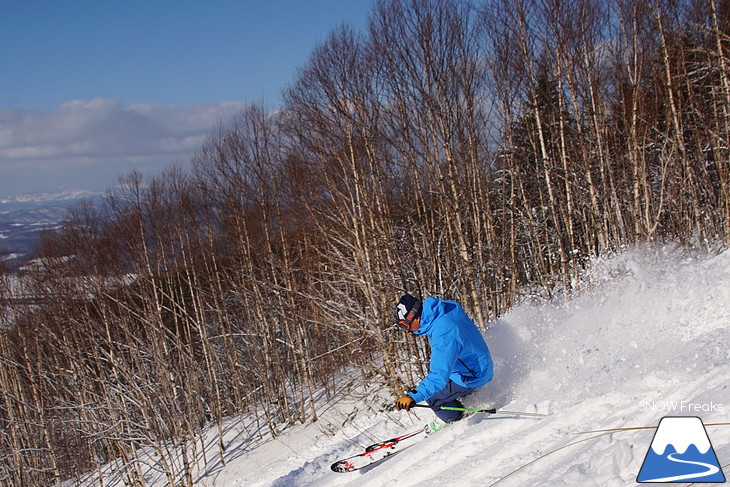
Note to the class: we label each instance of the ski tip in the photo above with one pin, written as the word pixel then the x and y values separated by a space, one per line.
pixel 342 466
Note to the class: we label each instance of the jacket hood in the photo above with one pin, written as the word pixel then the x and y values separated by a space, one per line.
pixel 433 308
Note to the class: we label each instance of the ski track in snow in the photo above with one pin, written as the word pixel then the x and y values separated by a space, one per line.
pixel 649 326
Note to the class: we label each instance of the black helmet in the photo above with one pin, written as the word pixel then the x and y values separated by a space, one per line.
pixel 407 310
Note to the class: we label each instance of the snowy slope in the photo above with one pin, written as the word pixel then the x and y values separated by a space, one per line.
pixel 646 337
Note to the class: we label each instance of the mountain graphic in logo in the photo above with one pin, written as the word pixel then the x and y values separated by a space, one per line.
pixel 680 452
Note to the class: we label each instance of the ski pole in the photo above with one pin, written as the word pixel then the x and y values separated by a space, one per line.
pixel 477 410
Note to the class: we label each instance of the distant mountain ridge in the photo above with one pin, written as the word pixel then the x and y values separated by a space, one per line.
pixel 49 196
pixel 23 217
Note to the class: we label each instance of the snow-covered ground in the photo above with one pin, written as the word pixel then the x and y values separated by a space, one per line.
pixel 646 337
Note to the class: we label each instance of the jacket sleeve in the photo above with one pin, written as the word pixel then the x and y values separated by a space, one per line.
pixel 444 351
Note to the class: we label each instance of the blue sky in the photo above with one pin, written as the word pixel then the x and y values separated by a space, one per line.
pixel 90 90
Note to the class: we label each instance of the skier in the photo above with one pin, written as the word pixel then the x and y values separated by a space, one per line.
pixel 460 358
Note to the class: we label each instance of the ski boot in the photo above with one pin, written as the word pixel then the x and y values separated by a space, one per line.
pixel 434 426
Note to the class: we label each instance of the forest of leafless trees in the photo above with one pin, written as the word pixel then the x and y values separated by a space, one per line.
pixel 471 151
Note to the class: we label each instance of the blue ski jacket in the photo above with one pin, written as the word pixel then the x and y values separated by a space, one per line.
pixel 458 350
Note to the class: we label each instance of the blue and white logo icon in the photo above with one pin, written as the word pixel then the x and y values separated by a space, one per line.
pixel 680 452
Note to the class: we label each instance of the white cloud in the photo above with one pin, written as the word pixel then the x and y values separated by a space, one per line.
pixel 101 136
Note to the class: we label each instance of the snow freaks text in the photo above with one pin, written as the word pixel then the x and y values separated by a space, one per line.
pixel 680 407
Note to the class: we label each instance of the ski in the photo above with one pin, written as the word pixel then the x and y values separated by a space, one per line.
pixel 378 451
